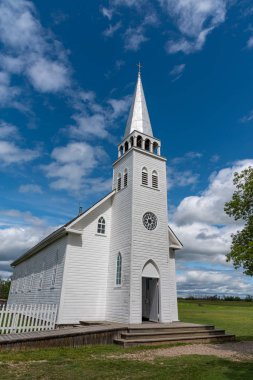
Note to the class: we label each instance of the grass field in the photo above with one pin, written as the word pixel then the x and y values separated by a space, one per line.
pixel 102 362
pixel 233 316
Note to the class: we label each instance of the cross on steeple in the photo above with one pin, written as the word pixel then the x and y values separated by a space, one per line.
pixel 139 68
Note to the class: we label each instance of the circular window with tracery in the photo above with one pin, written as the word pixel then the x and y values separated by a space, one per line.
pixel 149 220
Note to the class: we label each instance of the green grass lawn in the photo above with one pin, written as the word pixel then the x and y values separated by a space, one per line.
pixel 235 317
pixel 96 362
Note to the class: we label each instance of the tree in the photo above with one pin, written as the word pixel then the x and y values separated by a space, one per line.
pixel 4 288
pixel 240 207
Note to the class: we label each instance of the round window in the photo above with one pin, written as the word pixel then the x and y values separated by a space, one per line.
pixel 149 220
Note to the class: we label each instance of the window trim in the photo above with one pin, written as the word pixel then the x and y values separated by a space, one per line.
pixel 156 178
pixel 119 182
pixel 118 277
pixel 144 176
pixel 125 178
pixel 101 226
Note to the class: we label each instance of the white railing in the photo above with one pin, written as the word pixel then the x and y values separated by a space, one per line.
pixel 25 318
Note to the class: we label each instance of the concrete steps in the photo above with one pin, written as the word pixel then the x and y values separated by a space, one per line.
pixel 152 335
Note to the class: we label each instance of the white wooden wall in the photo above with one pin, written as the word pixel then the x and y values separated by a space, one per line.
pixel 118 297
pixel 85 273
pixel 25 287
pixel 151 245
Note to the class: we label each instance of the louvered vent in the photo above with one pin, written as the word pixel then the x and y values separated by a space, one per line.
pixel 155 181
pixel 145 178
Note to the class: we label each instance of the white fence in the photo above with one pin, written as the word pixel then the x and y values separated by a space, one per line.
pixel 25 318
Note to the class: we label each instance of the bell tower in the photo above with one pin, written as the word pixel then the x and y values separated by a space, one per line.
pixel 139 232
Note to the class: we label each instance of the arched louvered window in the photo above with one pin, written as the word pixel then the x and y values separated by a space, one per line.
pixel 119 182
pixel 154 180
pixel 101 225
pixel 144 176
pixel 125 177
pixel 147 144
pixel 119 269
pixel 139 141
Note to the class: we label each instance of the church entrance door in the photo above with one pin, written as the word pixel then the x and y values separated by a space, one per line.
pixel 150 299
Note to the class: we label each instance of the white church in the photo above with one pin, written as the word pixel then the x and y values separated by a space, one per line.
pixel 115 261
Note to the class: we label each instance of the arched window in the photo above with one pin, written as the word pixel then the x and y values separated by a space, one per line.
pixel 131 141
pixel 126 146
pixel 119 182
pixel 118 269
pixel 147 144
pixel 125 177
pixel 139 141
pixel 144 176
pixel 155 148
pixel 101 225
pixel 121 150
pixel 154 180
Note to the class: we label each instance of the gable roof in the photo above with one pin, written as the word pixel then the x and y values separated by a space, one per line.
pixel 174 242
pixel 60 232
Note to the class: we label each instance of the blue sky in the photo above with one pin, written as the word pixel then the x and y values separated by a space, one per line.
pixel 67 75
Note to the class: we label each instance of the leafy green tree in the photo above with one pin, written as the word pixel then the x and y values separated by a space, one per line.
pixel 240 207
pixel 4 288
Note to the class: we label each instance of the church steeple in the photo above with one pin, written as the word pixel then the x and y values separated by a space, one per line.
pixel 138 119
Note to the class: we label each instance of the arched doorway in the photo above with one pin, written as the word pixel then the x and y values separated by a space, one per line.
pixel 150 292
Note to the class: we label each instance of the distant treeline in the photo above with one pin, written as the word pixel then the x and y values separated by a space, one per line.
pixel 215 297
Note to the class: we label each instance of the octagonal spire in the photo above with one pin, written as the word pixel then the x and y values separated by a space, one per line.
pixel 138 119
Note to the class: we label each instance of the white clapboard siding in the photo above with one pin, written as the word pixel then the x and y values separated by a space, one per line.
pixel 18 318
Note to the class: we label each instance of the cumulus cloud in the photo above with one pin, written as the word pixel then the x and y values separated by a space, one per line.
pixel 72 165
pixel 10 151
pixel 19 231
pixel 224 282
pixel 29 50
pixel 48 76
pixel 93 120
pixel 208 207
pixel 205 231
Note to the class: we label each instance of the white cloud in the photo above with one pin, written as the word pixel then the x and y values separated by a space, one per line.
pixel 107 12
pixel 195 19
pixel 19 231
pixel 134 37
pixel 30 50
pixel 8 131
pixel 112 29
pixel 208 207
pixel 247 118
pixel 213 282
pixel 72 165
pixel 48 76
pixel 92 120
pixel 205 231
pixel 7 92
pixel 177 71
pixel 177 178
pixel 10 153
pixel 250 43
pixel 30 188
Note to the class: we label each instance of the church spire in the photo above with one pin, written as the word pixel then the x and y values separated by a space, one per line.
pixel 138 119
